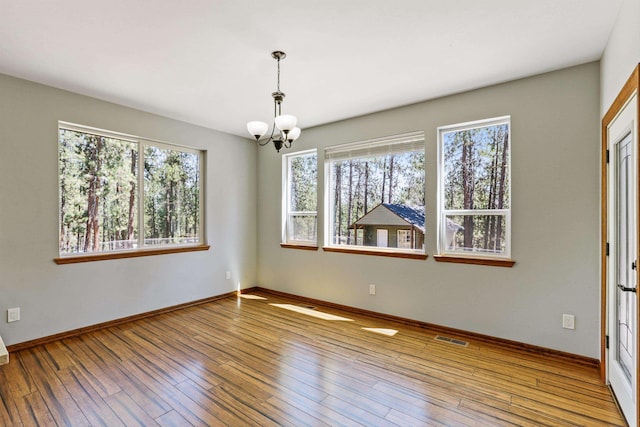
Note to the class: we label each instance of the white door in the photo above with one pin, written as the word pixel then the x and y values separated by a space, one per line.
pixel 622 360
pixel 383 238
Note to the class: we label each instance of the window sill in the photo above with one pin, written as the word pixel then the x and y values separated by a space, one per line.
pixel 376 252
pixel 130 254
pixel 494 262
pixel 299 246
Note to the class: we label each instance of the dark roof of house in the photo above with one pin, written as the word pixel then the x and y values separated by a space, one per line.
pixel 411 215
pixel 404 214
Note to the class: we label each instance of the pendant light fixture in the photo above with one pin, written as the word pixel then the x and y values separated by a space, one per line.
pixel 286 123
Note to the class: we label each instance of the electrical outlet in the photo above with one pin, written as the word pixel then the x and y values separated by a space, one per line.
pixel 227 275
pixel 13 314
pixel 372 289
pixel 568 321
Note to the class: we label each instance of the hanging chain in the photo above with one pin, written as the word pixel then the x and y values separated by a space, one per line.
pixel 278 74
pixel 278 103
pixel 280 141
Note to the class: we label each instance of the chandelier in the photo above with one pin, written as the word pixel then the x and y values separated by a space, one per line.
pixel 286 123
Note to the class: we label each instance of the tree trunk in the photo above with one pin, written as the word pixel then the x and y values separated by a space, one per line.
pixel 132 197
pixel 167 218
pixel 92 238
pixel 350 201
pixel 90 203
pixel 196 205
pixel 384 179
pixel 468 187
pixel 154 227
pixel 338 203
pixel 366 187
pixel 489 227
pixel 391 158
pixel 63 197
pixel 501 187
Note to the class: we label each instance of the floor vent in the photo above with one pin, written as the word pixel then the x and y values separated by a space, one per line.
pixel 308 307
pixel 451 341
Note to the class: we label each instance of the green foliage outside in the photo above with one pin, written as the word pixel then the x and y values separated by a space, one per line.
pixel 359 185
pixel 476 178
pixel 171 196
pixel 99 192
pixel 303 192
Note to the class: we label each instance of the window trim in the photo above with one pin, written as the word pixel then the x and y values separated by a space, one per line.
pixel 285 242
pixel 495 262
pixel 479 258
pixel 373 146
pixel 384 252
pixel 130 253
pixel 141 250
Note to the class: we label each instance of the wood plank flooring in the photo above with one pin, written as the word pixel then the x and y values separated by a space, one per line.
pixel 245 362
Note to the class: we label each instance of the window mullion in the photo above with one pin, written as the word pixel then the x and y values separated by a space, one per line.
pixel 475 211
pixel 140 194
pixel 310 213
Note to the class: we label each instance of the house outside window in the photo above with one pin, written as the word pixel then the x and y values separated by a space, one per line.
pixel 300 178
pixel 374 190
pixel 124 193
pixel 474 177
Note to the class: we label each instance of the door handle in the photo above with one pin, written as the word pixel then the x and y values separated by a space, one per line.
pixel 625 289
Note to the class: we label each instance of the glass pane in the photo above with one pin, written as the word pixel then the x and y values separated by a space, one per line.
pixel 483 234
pixel 98 194
pixel 377 193
pixel 172 196
pixel 302 227
pixel 625 275
pixel 476 168
pixel 404 239
pixel 303 175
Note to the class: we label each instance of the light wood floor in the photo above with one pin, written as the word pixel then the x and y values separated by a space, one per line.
pixel 245 362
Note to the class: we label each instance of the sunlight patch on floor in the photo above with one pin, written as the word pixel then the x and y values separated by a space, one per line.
pixel 313 313
pixel 387 332
pixel 249 296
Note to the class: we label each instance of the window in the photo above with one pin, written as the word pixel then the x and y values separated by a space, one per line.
pixel 376 194
pixel 405 239
pixel 474 189
pixel 300 172
pixel 120 193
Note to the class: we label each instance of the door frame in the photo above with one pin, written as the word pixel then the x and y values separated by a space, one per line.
pixel 631 86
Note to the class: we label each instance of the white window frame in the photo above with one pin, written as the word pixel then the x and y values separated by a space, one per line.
pixel 443 213
pixel 141 143
pixel 287 213
pixel 360 149
pixel 405 234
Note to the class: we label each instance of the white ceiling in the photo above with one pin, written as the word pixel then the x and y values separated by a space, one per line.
pixel 209 62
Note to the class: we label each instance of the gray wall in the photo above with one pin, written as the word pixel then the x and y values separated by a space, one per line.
pixel 622 54
pixel 555 219
pixel 56 298
pixel 555 196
